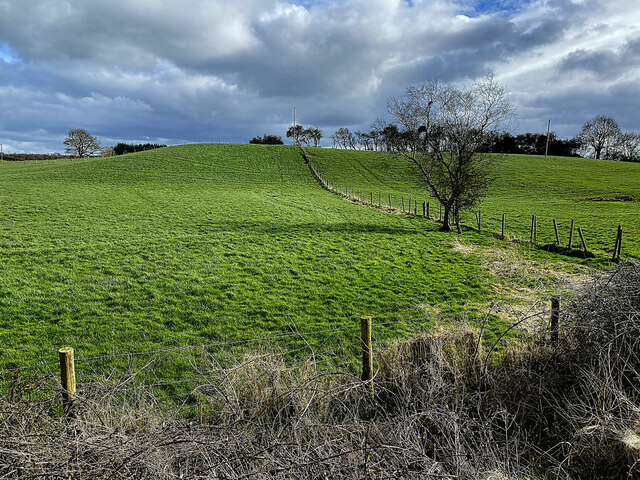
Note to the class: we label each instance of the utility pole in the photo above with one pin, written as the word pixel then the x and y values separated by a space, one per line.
pixel 295 136
pixel 546 149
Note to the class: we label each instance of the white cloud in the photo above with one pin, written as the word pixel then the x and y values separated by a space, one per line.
pixel 198 68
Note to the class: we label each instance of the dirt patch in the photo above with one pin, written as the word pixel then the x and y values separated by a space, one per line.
pixel 522 285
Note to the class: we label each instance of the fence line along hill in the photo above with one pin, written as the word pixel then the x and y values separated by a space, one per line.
pixel 598 195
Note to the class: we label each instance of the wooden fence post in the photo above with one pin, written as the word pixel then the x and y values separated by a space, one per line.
pixel 371 198
pixel 68 381
pixel 571 235
pixel 389 200
pixel 618 245
pixel 424 209
pixel 429 210
pixel 503 219
pixel 584 244
pixel 555 318
pixel 555 227
pixel 402 204
pixel 415 207
pixel 379 200
pixel 367 349
pixel 479 220
pixel 533 223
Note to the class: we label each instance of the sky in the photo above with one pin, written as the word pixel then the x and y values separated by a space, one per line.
pixel 173 72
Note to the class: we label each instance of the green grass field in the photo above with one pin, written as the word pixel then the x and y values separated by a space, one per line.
pixel 199 244
pixel 598 195
pixel 203 243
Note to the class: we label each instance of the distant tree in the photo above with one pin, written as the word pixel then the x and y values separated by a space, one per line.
pixel 441 129
pixel 81 143
pixel 345 138
pixel 122 148
pixel 363 140
pixel 599 136
pixel 107 151
pixel 316 135
pixel 628 147
pixel 305 137
pixel 267 140
pixel 391 138
pixel 530 143
pixel 294 133
pixel 334 140
pixel 272 139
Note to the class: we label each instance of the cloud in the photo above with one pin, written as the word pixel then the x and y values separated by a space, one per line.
pixel 201 69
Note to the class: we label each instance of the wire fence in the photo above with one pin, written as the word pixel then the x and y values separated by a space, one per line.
pixel 432 209
pixel 175 372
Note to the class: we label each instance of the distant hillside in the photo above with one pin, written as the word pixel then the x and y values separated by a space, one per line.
pixel 598 195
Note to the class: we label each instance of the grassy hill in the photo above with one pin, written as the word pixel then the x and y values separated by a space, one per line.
pixel 200 243
pixel 598 195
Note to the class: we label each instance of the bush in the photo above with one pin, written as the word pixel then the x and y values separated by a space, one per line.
pixel 123 148
pixel 267 140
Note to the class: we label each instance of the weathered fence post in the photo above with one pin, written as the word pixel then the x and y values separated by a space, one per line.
pixel 479 220
pixel 389 200
pixel 555 227
pixel 68 381
pixel 618 245
pixel 503 219
pixel 371 198
pixel 402 204
pixel 429 210
pixel 424 209
pixel 571 235
pixel 367 349
pixel 555 318
pixel 533 226
pixel 415 207
pixel 584 244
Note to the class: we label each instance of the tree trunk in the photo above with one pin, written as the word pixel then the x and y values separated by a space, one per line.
pixel 457 220
pixel 446 227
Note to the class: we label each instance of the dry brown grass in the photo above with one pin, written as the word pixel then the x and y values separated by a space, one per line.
pixel 443 406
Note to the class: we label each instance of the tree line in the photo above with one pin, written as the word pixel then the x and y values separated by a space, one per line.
pixel 599 138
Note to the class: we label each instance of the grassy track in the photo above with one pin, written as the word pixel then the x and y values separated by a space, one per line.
pixel 200 243
pixel 598 195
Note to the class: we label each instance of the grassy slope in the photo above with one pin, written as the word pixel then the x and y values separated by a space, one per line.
pixel 193 244
pixel 561 188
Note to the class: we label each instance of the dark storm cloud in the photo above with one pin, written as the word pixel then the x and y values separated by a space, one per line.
pixel 197 70
pixel 604 63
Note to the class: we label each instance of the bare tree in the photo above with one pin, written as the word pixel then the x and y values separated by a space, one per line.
pixel 107 151
pixel 628 147
pixel 345 138
pixel 316 135
pixel 440 129
pixel 600 135
pixel 81 143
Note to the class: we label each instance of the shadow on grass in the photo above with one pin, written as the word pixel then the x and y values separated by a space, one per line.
pixel 343 227
pixel 569 252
